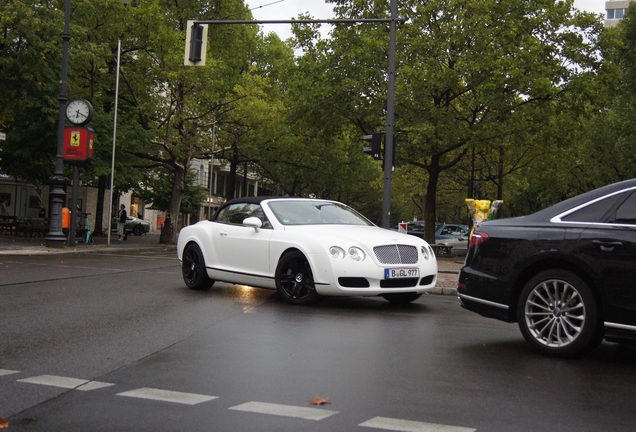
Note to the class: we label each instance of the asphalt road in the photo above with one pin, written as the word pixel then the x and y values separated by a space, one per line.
pixel 115 342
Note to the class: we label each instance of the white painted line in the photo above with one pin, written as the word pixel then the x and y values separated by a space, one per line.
pixel 411 426
pixel 7 372
pixel 168 396
pixel 55 381
pixel 94 385
pixel 284 410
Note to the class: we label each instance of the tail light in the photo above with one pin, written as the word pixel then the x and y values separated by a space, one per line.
pixel 478 238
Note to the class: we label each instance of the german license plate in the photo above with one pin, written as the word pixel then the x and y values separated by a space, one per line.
pixel 401 273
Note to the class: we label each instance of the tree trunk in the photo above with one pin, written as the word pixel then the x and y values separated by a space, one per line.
pixel 99 211
pixel 430 206
pixel 169 229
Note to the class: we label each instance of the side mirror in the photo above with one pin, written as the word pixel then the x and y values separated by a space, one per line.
pixel 253 222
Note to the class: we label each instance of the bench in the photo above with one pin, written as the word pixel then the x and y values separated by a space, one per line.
pixel 28 227
pixel 7 222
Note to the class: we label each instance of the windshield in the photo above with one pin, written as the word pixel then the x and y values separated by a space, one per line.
pixel 298 212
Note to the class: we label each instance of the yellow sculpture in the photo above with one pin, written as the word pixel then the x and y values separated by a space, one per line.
pixel 481 210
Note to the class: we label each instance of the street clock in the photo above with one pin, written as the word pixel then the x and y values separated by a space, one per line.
pixel 79 112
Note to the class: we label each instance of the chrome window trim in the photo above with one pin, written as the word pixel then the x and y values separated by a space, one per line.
pixel 620 326
pixel 486 302
pixel 558 218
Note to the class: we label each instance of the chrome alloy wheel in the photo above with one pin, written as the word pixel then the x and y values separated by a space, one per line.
pixel 555 313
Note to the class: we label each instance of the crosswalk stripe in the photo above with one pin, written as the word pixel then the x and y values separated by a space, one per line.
pixel 7 372
pixel 94 385
pixel 411 426
pixel 284 410
pixel 55 381
pixel 167 396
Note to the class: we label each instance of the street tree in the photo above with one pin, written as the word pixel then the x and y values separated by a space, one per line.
pixel 468 74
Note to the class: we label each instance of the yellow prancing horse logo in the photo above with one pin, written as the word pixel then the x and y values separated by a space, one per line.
pixel 75 139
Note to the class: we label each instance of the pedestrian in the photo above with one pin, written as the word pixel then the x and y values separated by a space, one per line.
pixel 121 221
pixel 42 212
pixel 3 208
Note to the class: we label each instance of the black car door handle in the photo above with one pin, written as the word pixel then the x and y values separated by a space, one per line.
pixel 607 246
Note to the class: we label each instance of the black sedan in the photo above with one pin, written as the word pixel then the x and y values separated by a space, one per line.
pixel 566 274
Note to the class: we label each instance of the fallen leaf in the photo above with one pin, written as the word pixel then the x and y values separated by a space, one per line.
pixel 319 401
pixel 3 423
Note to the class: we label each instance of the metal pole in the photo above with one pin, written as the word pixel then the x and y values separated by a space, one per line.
pixel 112 162
pixel 211 172
pixel 57 195
pixel 74 211
pixel 390 110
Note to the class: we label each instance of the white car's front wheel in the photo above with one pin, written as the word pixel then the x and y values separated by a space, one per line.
pixel 295 280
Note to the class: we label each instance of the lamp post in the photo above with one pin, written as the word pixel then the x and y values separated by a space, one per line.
pixel 57 195
pixel 112 162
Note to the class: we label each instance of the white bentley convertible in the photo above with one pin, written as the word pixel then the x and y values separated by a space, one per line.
pixel 304 248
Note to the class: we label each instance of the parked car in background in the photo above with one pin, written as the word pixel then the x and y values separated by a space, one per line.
pixel 566 274
pixel 133 225
pixel 453 235
pixel 304 248
pixel 415 228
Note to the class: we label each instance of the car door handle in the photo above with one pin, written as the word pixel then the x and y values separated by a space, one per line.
pixel 607 246
pixel 223 233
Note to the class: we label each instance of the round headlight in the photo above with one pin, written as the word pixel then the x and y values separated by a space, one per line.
pixel 426 253
pixel 357 254
pixel 337 252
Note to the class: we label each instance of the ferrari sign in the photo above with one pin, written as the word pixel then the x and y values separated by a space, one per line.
pixel 78 144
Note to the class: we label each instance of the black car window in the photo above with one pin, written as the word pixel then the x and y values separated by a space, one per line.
pixel 235 214
pixel 595 212
pixel 626 213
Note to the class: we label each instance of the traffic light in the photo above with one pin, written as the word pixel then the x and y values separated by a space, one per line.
pixel 196 44
pixel 376 145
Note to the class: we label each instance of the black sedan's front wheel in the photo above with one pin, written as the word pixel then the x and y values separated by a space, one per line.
pixel 193 269
pixel 294 279
pixel 558 314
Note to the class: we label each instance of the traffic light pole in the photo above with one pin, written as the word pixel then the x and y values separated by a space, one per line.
pixel 389 147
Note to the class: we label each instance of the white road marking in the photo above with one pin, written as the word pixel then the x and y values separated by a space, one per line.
pixel 94 385
pixel 7 372
pixel 55 381
pixel 168 396
pixel 411 426
pixel 284 410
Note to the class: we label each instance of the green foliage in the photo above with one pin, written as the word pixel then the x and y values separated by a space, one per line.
pixel 156 190
pixel 30 65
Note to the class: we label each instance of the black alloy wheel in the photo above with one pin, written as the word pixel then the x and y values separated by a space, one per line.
pixel 558 314
pixel 138 230
pixel 294 279
pixel 195 275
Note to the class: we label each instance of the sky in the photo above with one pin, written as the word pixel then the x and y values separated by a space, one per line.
pixel 288 9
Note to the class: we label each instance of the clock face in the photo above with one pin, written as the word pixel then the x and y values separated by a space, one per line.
pixel 79 111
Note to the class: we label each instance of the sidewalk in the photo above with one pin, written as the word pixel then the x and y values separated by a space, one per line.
pixel 448 268
pixel 34 245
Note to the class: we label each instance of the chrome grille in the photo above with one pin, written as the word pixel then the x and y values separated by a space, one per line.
pixel 396 254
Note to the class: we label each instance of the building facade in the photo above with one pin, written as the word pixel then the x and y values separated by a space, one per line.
pixel 614 11
pixel 214 176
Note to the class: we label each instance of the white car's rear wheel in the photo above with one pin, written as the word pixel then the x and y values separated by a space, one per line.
pixel 295 280
pixel 193 269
